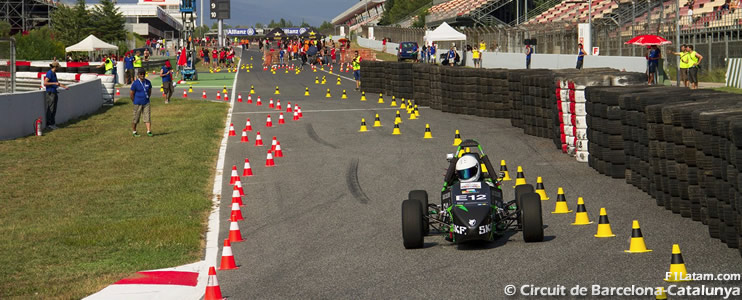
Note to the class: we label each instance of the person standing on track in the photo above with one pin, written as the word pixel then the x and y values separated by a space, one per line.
pixel 580 56
pixel 357 70
pixel 141 90
pixel 695 60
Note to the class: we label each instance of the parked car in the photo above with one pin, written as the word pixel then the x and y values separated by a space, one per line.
pixel 407 50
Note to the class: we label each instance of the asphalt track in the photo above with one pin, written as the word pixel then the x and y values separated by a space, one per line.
pixel 325 221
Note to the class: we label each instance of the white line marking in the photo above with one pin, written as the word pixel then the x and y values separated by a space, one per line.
pixel 212 233
pixel 348 78
pixel 324 110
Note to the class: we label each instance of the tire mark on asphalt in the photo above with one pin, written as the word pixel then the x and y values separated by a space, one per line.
pixel 353 185
pixel 313 134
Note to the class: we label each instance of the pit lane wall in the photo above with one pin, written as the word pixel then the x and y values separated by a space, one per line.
pixel 19 111
pixel 680 146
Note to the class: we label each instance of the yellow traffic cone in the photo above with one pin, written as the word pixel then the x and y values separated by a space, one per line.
pixel 328 94
pixel 394 102
pixel 316 79
pixel 520 179
pixel 456 138
pixel 561 203
pixel 252 89
pixel 413 116
pixel 581 217
pixel 377 121
pixel 402 106
pixel 428 134
pixel 344 95
pixel 211 71
pixel 661 293
pixel 363 126
pixel 306 91
pixel 637 244
pixel 417 112
pixel 398 118
pixel 604 227
pixel 396 129
pixel 381 99
pixel 339 83
pixel 677 272
pixel 540 189
pixel 190 89
pixel 162 89
pixel 503 168
pixel 363 96
pixel 224 89
pixel 277 92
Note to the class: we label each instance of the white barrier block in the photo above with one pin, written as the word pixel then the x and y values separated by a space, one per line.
pixel 582 156
pixel 581 122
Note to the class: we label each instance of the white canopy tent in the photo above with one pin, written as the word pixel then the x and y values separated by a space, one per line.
pixel 91 44
pixel 444 33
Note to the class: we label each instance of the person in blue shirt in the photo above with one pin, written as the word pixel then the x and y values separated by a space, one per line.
pixel 280 55
pixel 529 51
pixel 652 63
pixel 128 69
pixel 141 89
pixel 432 52
pixel 51 97
pixel 580 56
pixel 167 80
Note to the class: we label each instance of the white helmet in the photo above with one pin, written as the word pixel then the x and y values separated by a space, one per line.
pixel 467 168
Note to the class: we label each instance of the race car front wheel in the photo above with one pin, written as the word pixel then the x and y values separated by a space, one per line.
pixel 412 224
pixel 533 224
pixel 422 196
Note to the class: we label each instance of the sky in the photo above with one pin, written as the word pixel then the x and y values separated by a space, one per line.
pixel 248 12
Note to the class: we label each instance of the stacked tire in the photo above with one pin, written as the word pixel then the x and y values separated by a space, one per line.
pixel 435 88
pixel 421 84
pixel 373 74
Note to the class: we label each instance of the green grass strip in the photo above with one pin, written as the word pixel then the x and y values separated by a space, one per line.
pixel 88 204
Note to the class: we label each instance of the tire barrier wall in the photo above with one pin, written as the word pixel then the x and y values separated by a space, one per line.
pixel 679 146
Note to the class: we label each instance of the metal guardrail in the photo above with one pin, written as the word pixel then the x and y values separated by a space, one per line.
pixel 7 72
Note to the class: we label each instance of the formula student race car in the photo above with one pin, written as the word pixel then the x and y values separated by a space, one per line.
pixel 472 206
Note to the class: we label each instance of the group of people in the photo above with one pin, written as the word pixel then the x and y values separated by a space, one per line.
pixel 217 58
pixel 158 45
pixel 308 51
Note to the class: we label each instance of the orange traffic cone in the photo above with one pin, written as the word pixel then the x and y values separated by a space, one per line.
pixel 288 108
pixel 218 96
pixel 300 114
pixel 236 211
pixel 234 176
pixel 247 171
pixel 270 103
pixel 249 98
pixel 296 115
pixel 236 196
pixel 238 184
pixel 231 130
pixel 244 136
pixel 274 142
pixel 278 104
pixel 226 97
pixel 239 97
pixel 248 126
pixel 203 95
pixel 227 257
pixel 269 160
pixel 268 122
pixel 185 95
pixel 118 93
pixel 280 119
pixel 234 231
pixel 213 292
pixel 278 151
pixel 259 103
pixel 258 140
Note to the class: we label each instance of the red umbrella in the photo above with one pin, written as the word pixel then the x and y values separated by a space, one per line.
pixel 648 40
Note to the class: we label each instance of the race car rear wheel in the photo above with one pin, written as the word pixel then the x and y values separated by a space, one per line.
pixel 533 224
pixel 412 224
pixel 422 196
pixel 519 192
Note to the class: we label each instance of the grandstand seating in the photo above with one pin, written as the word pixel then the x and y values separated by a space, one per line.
pixel 572 11
pixel 455 8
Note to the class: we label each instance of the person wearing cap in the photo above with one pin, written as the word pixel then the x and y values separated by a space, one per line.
pixel 108 64
pixel 51 97
pixel 141 90
pixel 167 80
